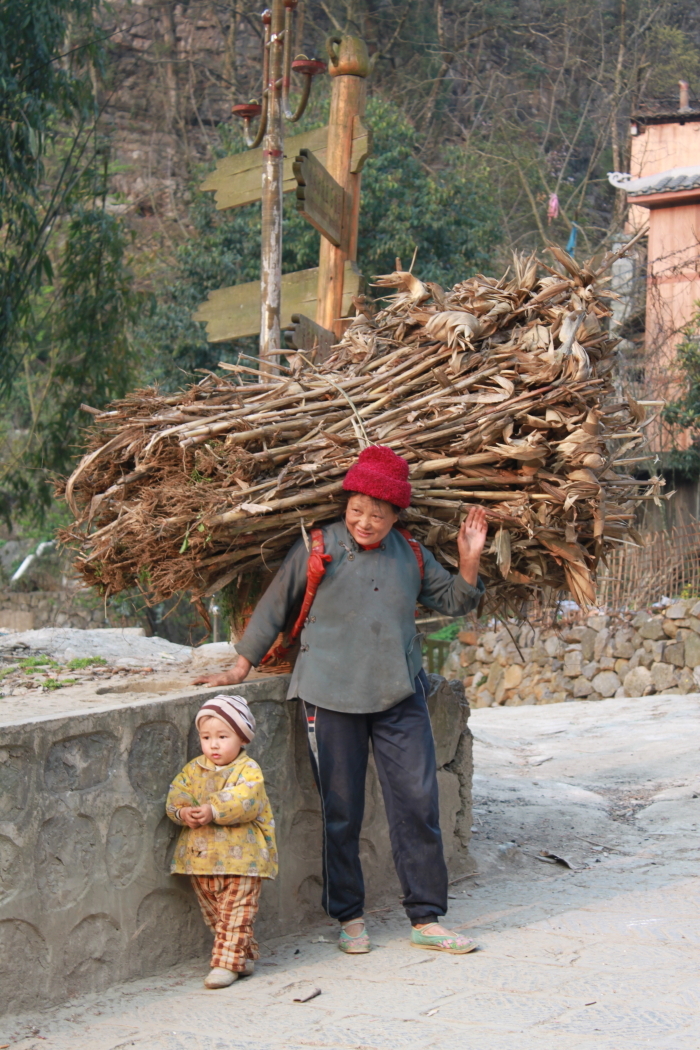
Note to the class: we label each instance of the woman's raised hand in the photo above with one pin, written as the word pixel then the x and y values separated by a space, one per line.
pixel 470 543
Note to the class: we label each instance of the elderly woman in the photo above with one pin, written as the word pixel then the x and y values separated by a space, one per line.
pixel 359 674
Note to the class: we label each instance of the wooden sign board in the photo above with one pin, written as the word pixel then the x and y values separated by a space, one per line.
pixel 305 334
pixel 319 197
pixel 237 180
pixel 232 313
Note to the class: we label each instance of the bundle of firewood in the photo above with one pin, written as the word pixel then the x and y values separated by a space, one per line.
pixel 498 392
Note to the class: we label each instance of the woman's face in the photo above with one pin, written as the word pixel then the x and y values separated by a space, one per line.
pixel 369 520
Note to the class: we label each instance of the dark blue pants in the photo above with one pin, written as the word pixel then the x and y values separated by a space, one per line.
pixel 404 753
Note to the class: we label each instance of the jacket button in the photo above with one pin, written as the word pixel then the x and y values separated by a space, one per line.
pixel 351 557
pixel 313 619
pixel 383 547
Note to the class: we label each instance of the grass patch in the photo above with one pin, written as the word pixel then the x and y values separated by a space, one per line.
pixel 56 683
pixel 448 633
pixel 33 662
pixel 81 662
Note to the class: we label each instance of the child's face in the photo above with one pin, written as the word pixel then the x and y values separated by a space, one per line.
pixel 219 741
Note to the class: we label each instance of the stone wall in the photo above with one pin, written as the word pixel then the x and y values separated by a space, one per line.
pixel 31 610
pixel 85 898
pixel 631 654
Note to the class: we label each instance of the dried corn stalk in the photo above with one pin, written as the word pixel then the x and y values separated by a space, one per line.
pixel 497 392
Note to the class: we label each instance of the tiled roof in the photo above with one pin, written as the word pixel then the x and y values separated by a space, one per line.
pixel 670 181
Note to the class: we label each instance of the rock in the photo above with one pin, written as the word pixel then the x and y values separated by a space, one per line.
pixel 656 649
pixel 119 646
pixel 623 648
pixel 694 624
pixel 488 640
pixel 468 655
pixel 573 663
pixel 607 663
pixel 674 653
pixel 468 637
pixel 670 628
pixel 554 647
pixel 527 636
pixel 695 611
pixel 663 676
pixel 451 667
pixel 692 650
pixel 573 634
pixel 495 676
pixel 606 683
pixel 597 622
pixel 621 668
pixel 560 684
pixel 484 698
pixel 686 682
pixel 512 676
pixel 636 659
pixel 590 670
pixel 581 687
pixel 640 619
pixel 638 682
pixel 678 611
pixel 621 691
pixel 588 643
pixel 653 630
pixel 601 644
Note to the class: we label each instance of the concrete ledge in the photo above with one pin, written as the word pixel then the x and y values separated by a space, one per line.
pixel 85 898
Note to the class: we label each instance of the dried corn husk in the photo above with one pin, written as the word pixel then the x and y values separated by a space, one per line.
pixel 497 392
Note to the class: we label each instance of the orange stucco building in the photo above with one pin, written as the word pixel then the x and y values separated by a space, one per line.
pixel 663 189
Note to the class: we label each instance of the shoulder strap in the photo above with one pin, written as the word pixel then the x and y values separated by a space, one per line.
pixel 416 548
pixel 315 571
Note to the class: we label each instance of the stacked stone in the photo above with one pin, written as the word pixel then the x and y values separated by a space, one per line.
pixel 632 654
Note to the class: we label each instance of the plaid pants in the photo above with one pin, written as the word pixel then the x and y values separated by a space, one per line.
pixel 229 905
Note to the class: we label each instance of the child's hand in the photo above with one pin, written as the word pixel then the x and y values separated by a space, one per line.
pixel 187 813
pixel 202 814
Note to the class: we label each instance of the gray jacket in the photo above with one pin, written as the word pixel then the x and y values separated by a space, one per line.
pixel 360 650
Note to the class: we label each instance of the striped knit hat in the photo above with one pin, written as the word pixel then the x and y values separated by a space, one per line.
pixel 231 709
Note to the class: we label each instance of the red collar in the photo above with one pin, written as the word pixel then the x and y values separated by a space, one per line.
pixel 369 547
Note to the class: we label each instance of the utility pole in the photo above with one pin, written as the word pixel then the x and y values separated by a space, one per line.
pixel 273 111
pixel 273 155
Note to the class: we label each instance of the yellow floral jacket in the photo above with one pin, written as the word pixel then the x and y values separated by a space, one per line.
pixel 241 838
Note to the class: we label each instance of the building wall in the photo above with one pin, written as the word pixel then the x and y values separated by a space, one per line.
pixel 85 895
pixel 659 147
pixel 673 261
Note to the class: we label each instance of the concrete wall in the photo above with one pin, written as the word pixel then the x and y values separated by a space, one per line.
pixel 85 898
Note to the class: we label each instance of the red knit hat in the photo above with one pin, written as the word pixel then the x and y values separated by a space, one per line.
pixel 380 473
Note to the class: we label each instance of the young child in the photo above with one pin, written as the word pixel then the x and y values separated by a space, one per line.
pixel 227 845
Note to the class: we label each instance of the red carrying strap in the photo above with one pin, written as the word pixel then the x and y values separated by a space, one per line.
pixel 416 548
pixel 315 571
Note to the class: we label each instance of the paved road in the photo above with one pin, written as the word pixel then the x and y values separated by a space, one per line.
pixel 603 954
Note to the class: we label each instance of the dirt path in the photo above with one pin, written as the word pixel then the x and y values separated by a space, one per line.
pixel 602 955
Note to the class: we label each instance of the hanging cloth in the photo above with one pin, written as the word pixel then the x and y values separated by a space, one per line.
pixel 571 243
pixel 553 207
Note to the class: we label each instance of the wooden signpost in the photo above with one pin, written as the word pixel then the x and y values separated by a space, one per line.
pixel 232 313
pixel 319 197
pixel 324 167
